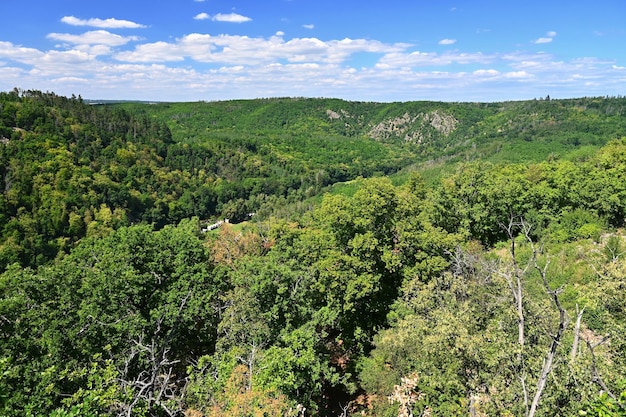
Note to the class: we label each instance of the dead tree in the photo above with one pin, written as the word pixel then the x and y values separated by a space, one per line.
pixel 514 277
pixel 151 375
pixel 575 343
pixel 595 375
pixel 563 321
pixel 157 384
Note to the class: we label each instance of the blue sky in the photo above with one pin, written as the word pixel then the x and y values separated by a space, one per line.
pixel 393 50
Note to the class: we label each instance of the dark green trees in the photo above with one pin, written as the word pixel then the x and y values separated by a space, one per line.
pixel 142 301
pixel 435 296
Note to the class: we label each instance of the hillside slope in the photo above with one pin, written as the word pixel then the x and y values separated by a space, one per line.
pixel 70 169
pixel 524 130
pixel 495 289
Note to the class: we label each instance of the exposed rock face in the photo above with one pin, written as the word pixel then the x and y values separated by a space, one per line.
pixel 393 127
pixel 442 122
pixel 415 128
pixel 332 115
pixel 412 128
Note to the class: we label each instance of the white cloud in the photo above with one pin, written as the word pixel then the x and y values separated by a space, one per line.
pixel 8 73
pixel 518 74
pixel 70 80
pixel 425 59
pixel 96 64
pixel 309 26
pixel 543 40
pixel 239 50
pixel 101 37
pixel 152 52
pixel 66 57
pixel 19 53
pixel 447 42
pixel 486 73
pixel 230 18
pixel 313 79
pixel 55 64
pixel 202 16
pixel 546 39
pixel 96 50
pixel 235 69
pixel 102 23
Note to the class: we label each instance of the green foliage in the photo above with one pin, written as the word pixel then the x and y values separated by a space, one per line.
pixel 577 224
pixel 444 334
pixel 112 301
pixel 458 334
pixel 100 393
pixel 134 294
pixel 63 160
pixel 67 164
pixel 605 406
pixel 577 200
pixel 238 400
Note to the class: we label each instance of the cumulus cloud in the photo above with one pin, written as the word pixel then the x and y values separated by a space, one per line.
pixel 447 42
pixel 238 50
pixel 102 23
pixel 71 80
pixel 309 26
pixel 101 37
pixel 202 16
pixel 19 53
pixel 545 39
pixel 98 64
pixel 230 18
pixel 518 74
pixel 425 59
pixel 153 52
pixel 487 73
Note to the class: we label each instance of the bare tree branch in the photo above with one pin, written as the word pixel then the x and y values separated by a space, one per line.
pixel 156 383
pixel 563 322
pixel 595 375
pixel 579 316
pixel 514 277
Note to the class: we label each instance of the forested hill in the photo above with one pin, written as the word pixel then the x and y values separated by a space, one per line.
pixel 493 288
pixel 69 169
pixel 521 130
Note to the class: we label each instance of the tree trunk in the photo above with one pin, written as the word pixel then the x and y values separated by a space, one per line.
pixel 576 341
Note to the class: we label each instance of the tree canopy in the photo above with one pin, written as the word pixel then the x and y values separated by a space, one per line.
pixel 493 286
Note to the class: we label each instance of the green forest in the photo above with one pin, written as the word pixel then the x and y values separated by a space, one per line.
pixel 378 259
